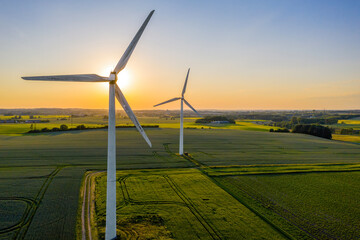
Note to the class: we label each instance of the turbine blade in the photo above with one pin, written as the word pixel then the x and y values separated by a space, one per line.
pixel 121 98
pixel 184 89
pixel 186 102
pixel 125 57
pixel 171 100
pixel 69 78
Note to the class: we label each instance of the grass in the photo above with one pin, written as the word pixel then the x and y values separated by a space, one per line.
pixel 311 205
pixel 180 204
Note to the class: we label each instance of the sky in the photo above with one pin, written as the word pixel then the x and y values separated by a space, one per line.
pixel 243 55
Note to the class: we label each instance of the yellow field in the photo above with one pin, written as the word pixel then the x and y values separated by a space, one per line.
pixel 349 121
pixel 347 138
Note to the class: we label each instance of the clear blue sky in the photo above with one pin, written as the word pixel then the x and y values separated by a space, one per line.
pixel 243 54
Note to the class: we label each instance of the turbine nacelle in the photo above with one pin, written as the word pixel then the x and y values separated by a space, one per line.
pixel 113 77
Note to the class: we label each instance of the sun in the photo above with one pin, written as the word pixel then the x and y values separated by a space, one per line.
pixel 123 77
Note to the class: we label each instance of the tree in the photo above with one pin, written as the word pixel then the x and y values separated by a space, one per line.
pixel 45 130
pixel 315 130
pixel 294 120
pixel 64 127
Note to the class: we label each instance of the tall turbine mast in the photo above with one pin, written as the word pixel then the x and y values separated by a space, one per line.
pixel 114 91
pixel 182 98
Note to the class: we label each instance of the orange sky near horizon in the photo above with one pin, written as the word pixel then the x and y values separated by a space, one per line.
pixel 251 57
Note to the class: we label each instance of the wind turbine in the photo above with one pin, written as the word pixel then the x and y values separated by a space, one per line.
pixel 181 144
pixel 114 91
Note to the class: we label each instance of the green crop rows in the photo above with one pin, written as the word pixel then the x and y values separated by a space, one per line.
pixel 190 204
pixel 309 205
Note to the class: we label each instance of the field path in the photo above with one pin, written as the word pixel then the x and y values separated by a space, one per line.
pixel 86 209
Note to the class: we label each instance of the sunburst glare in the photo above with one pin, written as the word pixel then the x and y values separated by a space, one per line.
pixel 123 77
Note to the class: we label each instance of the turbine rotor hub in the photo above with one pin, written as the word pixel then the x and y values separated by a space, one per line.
pixel 113 77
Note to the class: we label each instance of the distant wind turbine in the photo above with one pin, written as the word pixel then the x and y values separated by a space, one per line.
pixel 181 144
pixel 114 91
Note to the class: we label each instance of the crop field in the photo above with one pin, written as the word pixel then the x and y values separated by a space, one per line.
pixel 229 147
pixel 305 205
pixel 185 204
pixel 346 124
pixel 347 138
pixel 16 129
pixel 355 124
pixel 41 176
pixel 17 211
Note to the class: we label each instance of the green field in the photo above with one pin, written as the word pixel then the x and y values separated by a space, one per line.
pixel 310 205
pixel 41 176
pixel 188 203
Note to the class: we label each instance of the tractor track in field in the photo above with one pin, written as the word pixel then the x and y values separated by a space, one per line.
pixel 23 225
pixel 202 168
pixel 29 204
pixel 190 205
pixel 186 202
pixel 167 149
pixel 128 200
pixel 158 156
pixel 124 189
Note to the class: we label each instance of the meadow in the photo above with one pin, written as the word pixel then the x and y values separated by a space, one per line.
pixel 41 176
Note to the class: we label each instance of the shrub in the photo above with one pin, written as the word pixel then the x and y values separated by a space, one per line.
pixel 80 127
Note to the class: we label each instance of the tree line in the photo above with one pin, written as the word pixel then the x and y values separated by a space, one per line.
pixel 209 119
pixel 64 127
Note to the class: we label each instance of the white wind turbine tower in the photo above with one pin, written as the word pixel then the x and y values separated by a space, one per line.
pixel 114 91
pixel 181 144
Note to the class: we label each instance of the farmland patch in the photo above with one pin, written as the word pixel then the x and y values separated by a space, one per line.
pixel 309 205
pixel 189 205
